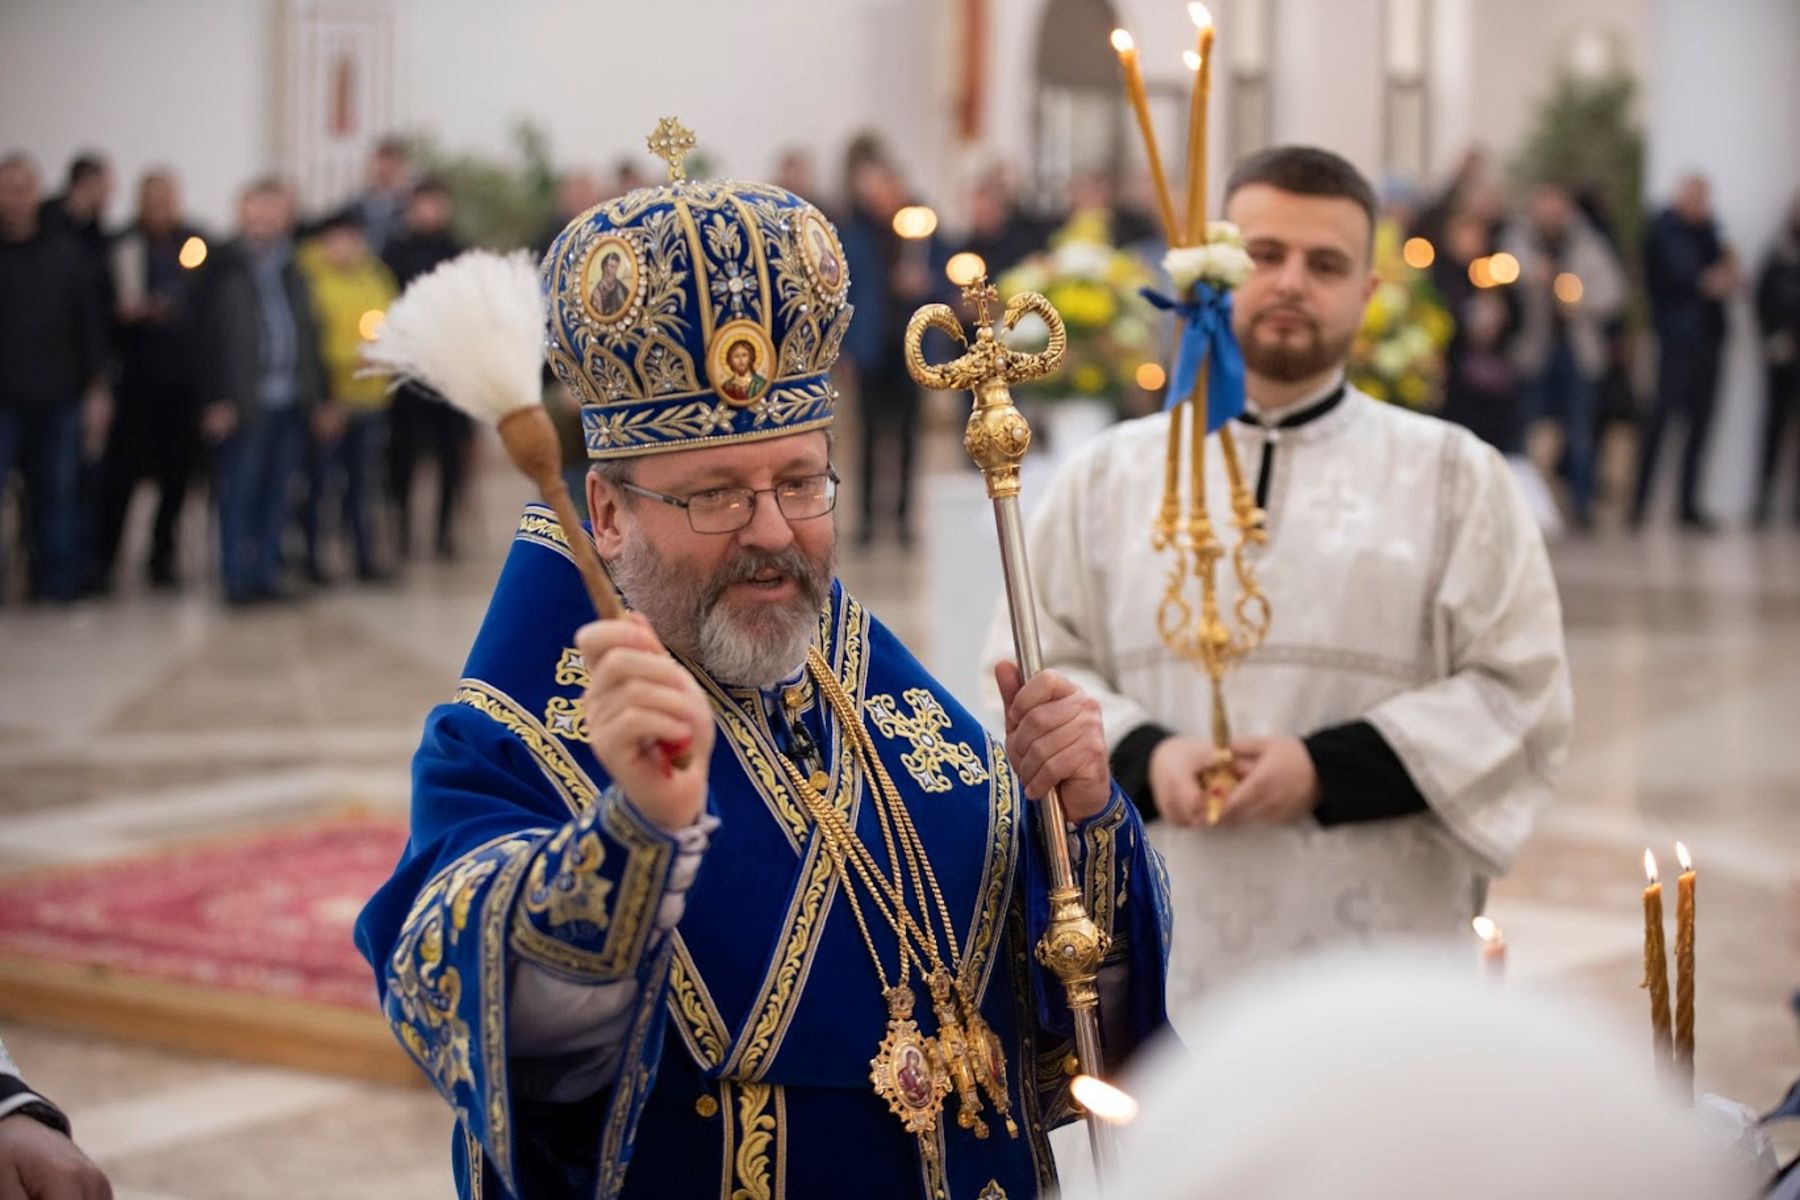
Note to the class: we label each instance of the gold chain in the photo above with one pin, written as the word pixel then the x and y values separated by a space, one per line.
pixel 911 858
pixel 890 807
pixel 893 808
pixel 847 849
pixel 970 1051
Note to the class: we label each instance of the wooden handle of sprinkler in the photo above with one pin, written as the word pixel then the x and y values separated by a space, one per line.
pixel 530 440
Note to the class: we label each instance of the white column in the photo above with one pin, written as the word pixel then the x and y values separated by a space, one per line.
pixel 1452 78
pixel 1328 75
pixel 1724 99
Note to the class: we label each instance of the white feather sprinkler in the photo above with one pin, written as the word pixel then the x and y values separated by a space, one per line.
pixel 473 331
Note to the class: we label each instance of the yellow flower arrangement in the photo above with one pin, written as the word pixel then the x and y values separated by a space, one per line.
pixel 1398 355
pixel 1095 286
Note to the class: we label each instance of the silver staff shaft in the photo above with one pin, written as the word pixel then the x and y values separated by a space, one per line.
pixel 1021 602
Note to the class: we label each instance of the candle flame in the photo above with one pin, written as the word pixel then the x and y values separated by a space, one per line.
pixel 1190 59
pixel 1103 1100
pixel 1568 287
pixel 1681 852
pixel 370 323
pixel 1486 930
pixel 1198 13
pixel 193 252
pixel 915 221
pixel 965 268
pixel 1419 253
pixel 1504 268
pixel 1650 865
pixel 1122 41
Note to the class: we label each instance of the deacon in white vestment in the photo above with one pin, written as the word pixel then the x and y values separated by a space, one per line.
pixel 1403 722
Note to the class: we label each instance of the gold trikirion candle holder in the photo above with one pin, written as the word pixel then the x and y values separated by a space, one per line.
pixel 1201 637
pixel 1206 638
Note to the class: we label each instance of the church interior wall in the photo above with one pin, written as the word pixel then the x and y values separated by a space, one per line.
pixel 204 97
pixel 181 82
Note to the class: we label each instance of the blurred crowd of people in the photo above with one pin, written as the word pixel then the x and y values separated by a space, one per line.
pixel 1550 338
pixel 153 355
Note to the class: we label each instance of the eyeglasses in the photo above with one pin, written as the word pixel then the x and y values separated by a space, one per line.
pixel 727 510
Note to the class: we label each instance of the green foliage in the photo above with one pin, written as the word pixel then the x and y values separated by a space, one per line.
pixel 1586 136
pixel 500 203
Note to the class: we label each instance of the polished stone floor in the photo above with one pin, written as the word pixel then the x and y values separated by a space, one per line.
pixel 149 719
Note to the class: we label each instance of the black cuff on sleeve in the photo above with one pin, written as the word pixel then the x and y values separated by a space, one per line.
pixel 1360 776
pixel 37 1108
pixel 1131 766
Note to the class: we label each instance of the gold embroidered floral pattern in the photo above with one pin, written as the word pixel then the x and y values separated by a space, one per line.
pixel 751 1162
pixel 577 790
pixel 540 526
pixel 1097 868
pixel 569 893
pixel 571 670
pixel 426 992
pixel 698 1019
pixel 497 907
pixel 626 922
pixel 609 430
pixel 784 406
pixel 781 991
pixel 930 753
pixel 993 1191
pixel 566 719
pixel 997 873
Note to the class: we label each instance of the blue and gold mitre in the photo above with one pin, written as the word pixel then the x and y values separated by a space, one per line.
pixel 696 313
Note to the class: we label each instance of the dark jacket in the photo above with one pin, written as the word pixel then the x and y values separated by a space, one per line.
pixel 873 253
pixel 166 351
pixel 52 330
pixel 53 214
pixel 410 255
pixel 1676 254
pixel 234 317
pixel 1778 287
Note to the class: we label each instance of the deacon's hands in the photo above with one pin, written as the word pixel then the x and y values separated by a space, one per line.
pixel 1176 766
pixel 636 698
pixel 1054 739
pixel 1277 782
pixel 38 1163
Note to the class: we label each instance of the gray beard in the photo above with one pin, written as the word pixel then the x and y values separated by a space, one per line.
pixel 689 617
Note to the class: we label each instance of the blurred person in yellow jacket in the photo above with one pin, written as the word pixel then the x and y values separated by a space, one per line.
pixel 351 290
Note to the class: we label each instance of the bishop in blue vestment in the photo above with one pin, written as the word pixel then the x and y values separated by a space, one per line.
pixel 730 897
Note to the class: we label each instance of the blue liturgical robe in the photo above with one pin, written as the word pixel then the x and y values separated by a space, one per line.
pixel 746 1062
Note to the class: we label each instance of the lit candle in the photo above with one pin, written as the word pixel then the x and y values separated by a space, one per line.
pixel 1493 947
pixel 1140 104
pixel 1197 102
pixel 1656 966
pixel 1103 1100
pixel 915 223
pixel 1684 973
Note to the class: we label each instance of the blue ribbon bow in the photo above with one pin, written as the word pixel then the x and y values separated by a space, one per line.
pixel 1205 334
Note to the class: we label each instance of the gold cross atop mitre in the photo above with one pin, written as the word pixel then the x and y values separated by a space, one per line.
pixel 672 142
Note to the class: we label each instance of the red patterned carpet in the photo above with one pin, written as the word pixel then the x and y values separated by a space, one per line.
pixel 238 947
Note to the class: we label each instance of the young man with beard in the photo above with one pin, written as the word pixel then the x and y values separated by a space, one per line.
pixel 1401 725
pixel 730 891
